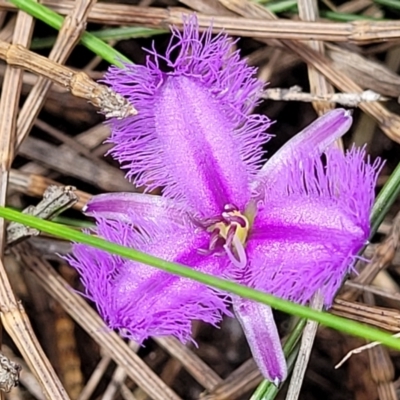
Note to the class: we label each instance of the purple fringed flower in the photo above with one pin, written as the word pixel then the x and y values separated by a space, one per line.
pixel 290 227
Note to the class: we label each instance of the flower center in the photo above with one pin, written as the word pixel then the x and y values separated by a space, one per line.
pixel 230 232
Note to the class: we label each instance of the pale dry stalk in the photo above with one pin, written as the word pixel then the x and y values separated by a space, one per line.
pixel 319 85
pixel 193 364
pixel 78 83
pixel 13 316
pixel 238 383
pixel 89 139
pixel 389 122
pixel 306 345
pixel 119 14
pixel 73 27
pixel 384 318
pixel 381 365
pixel 95 378
pixel 35 185
pixel 294 93
pixel 111 343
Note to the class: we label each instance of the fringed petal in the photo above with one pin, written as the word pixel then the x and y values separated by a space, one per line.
pixel 311 142
pixel 315 222
pixel 194 134
pixel 140 301
pixel 259 327
pixel 140 209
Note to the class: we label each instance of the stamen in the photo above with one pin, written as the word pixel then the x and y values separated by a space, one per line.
pixel 241 261
pixel 229 233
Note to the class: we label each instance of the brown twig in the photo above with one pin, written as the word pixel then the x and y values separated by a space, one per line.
pixel 74 25
pixel 319 85
pixel 381 365
pixel 345 99
pixel 78 83
pixel 118 14
pixel 13 315
pixel 112 344
pixel 389 122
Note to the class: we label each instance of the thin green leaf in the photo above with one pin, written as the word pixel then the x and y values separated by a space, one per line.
pixel 55 20
pixel 332 321
pixel 120 33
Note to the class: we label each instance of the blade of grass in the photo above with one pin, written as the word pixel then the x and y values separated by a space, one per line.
pixel 120 33
pixel 55 20
pixel 385 199
pixel 389 3
pixel 332 321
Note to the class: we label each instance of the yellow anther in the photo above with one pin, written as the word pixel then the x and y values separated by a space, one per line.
pixel 241 232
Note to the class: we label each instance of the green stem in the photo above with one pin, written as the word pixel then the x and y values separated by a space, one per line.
pixel 389 3
pixel 55 20
pixel 385 199
pixel 332 321
pixel 120 33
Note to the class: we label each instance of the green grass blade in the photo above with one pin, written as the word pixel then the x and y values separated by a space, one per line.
pixel 332 321
pixel 55 20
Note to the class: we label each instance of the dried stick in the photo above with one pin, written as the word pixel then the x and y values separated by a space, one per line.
pixel 389 122
pixel 345 99
pixel 78 83
pixel 307 341
pixel 89 320
pixel 36 185
pixel 193 364
pixel 118 377
pixel 319 85
pixel 13 316
pixel 95 378
pixel 70 163
pixel 381 366
pixel 239 382
pixel 119 14
pixel 384 318
pixel 74 25
pixel 89 139
pixel 359 350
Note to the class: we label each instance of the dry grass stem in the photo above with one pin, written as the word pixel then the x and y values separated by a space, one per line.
pixel 70 163
pixel 345 99
pixel 89 320
pixel 13 316
pixel 56 199
pixel 364 32
pixel 239 382
pixel 95 378
pixel 193 364
pixel 368 74
pixel 78 83
pixel 381 365
pixel 306 345
pixel 389 122
pixel 380 317
pixel 74 25
pixel 319 85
